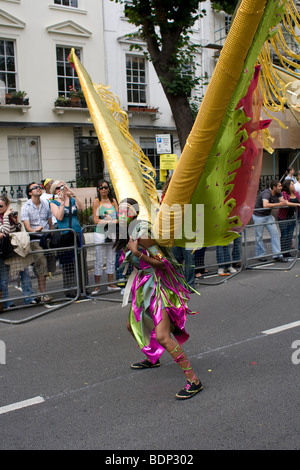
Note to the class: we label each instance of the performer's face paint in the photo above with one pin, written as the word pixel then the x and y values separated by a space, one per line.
pixel 125 215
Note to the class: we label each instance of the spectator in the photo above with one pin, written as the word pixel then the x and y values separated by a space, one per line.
pixel 186 257
pixel 289 174
pixel 200 255
pixel 265 202
pixel 105 210
pixel 37 217
pixel 297 184
pixel 182 255
pixel 286 216
pixel 9 224
pixel 47 196
pixel 224 261
pixel 236 252
pixel 297 189
pixel 60 208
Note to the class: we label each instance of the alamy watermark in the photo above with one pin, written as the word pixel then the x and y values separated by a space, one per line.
pixel 177 221
pixel 296 354
pixel 2 352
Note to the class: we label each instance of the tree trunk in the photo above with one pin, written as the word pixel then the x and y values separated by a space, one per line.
pixel 183 116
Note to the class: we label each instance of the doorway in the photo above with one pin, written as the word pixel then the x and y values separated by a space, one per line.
pixel 91 162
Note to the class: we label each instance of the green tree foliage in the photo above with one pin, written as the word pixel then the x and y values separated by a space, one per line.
pixel 165 26
pixel 228 6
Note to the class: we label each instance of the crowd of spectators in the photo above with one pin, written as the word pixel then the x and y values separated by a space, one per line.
pixel 52 207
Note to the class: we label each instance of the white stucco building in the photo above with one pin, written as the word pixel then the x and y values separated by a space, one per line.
pixel 40 139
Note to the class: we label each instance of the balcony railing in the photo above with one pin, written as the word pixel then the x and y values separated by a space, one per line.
pixel 15 191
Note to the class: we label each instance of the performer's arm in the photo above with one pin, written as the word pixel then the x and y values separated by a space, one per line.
pixel 153 261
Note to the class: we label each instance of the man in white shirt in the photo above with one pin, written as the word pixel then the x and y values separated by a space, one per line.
pixel 36 216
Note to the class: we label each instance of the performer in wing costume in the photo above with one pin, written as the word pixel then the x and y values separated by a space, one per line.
pixel 215 182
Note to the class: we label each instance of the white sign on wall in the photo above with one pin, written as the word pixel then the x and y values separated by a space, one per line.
pixel 163 143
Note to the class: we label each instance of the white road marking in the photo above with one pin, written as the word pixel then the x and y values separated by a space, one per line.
pixel 21 404
pixel 278 329
pixel 39 399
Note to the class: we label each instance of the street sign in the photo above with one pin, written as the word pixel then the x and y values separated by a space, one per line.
pixel 168 161
pixel 163 143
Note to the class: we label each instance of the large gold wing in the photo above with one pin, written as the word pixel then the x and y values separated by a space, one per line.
pixel 130 170
pixel 218 172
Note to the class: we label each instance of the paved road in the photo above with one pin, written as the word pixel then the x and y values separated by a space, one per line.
pixel 77 361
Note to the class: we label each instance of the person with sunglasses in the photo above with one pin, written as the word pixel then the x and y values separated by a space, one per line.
pixel 37 217
pixel 105 210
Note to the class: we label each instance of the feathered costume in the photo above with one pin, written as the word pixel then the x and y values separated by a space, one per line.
pixel 219 167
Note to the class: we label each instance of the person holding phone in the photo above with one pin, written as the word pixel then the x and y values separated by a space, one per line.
pixel 64 205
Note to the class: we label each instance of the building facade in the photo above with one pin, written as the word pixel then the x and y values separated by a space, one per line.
pixel 47 134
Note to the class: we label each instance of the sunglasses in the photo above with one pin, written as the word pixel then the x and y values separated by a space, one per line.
pixel 103 187
pixel 36 187
pixel 60 187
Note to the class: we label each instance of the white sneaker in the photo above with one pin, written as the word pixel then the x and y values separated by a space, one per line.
pixel 46 298
pixel 113 288
pixel 232 270
pixel 96 291
pixel 221 272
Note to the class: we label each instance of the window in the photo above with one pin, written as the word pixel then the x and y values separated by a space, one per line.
pixel 228 19
pixel 67 3
pixel 148 145
pixel 66 75
pixel 188 72
pixel 136 79
pixel 128 3
pixel 8 73
pixel 24 160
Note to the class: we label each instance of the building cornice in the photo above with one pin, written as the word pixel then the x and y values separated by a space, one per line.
pixel 7 20
pixel 69 28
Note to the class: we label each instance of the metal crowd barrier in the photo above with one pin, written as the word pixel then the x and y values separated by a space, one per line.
pixel 71 270
pixel 90 251
pixel 289 242
pixel 247 256
pixel 206 264
pixel 25 278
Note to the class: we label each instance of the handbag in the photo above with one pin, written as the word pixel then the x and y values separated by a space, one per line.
pixel 63 239
pixel 6 248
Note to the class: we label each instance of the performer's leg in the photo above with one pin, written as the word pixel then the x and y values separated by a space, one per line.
pixel 163 336
pixel 128 326
pixel 145 364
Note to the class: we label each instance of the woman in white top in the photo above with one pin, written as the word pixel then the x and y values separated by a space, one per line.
pixel 105 211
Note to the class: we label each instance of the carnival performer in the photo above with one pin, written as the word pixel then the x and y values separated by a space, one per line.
pixel 159 297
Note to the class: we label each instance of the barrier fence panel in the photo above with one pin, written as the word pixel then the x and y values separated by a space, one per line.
pixel 56 270
pixel 99 263
pixel 267 241
pixel 46 275
pixel 209 261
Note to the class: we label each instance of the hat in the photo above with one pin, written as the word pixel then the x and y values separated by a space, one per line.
pixel 47 180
